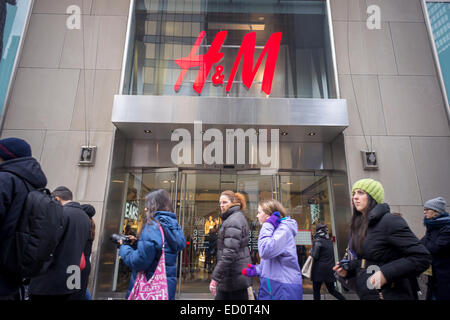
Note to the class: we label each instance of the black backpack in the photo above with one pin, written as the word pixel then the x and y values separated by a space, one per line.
pixel 40 228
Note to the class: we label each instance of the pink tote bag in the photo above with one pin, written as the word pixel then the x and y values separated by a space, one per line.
pixel 156 287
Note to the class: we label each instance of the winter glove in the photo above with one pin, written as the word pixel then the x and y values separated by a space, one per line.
pixel 213 287
pixel 274 219
pixel 250 271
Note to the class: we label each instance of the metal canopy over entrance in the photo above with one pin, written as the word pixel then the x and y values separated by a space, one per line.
pixel 136 115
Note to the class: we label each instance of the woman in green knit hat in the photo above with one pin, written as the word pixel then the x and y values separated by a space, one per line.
pixel 384 251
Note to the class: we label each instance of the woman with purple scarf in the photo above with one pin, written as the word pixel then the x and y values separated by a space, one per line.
pixel 279 271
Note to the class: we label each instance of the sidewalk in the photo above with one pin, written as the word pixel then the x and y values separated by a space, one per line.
pixel 207 296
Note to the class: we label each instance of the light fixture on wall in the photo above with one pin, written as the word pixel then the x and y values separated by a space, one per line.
pixel 311 134
pixel 370 160
pixel 148 131
pixel 87 156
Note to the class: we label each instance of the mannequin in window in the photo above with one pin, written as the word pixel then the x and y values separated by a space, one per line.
pixel 209 225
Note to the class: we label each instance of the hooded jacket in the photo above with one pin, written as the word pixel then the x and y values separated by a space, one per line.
pixel 13 194
pixel 437 241
pixel 149 248
pixel 68 253
pixel 233 253
pixel 391 247
pixel 279 271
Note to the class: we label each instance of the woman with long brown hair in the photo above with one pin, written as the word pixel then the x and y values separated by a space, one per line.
pixel 227 282
pixel 158 210
pixel 385 251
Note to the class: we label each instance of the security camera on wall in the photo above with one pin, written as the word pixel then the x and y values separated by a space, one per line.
pixel 370 160
pixel 87 156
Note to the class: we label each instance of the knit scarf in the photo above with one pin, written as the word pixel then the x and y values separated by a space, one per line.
pixel 439 221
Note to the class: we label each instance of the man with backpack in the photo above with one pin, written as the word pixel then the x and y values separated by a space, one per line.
pixel 62 281
pixel 17 169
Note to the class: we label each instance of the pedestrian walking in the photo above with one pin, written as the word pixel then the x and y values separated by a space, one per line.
pixel 62 281
pixel 322 268
pixel 233 254
pixel 144 257
pixel 387 252
pixel 17 166
pixel 279 271
pixel 437 241
pixel 211 250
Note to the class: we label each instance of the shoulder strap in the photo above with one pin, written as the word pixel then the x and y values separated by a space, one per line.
pixel 162 234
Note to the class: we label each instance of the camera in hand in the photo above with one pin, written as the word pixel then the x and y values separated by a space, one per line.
pixel 117 237
pixel 344 264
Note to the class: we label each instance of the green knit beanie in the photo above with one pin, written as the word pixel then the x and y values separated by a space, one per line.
pixel 372 187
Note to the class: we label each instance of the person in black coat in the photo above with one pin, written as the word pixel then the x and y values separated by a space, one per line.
pixel 82 294
pixel 233 254
pixel 63 279
pixel 322 268
pixel 211 250
pixel 387 253
pixel 437 241
pixel 16 166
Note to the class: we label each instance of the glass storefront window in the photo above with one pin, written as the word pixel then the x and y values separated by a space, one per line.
pixel 439 23
pixel 14 16
pixel 195 195
pixel 164 31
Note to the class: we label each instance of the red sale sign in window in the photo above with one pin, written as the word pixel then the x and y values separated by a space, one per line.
pixel 246 54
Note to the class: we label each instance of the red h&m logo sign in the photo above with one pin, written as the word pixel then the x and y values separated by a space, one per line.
pixel 246 53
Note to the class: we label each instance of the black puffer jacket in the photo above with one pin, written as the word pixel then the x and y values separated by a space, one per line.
pixel 233 254
pixel 391 246
pixel 437 241
pixel 13 194
pixel 323 255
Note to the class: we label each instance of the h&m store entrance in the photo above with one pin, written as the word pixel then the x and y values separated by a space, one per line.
pixel 310 177
pixel 163 92
pixel 195 195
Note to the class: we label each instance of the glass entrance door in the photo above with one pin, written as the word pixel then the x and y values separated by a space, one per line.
pixel 307 199
pixel 255 188
pixel 304 195
pixel 199 216
pixel 200 219
pixel 138 185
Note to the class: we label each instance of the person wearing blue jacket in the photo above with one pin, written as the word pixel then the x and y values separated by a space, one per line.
pixel 145 257
pixel 279 272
